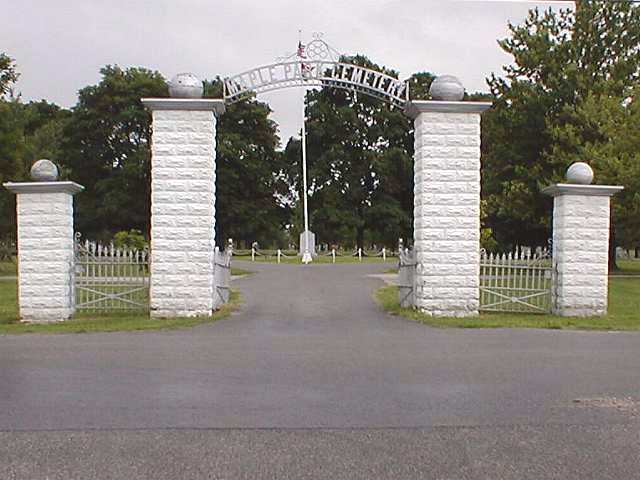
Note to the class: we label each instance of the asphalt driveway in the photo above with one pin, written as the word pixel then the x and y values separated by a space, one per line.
pixel 310 379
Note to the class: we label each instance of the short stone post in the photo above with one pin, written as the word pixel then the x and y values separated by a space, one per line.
pixel 581 243
pixel 183 175
pixel 45 245
pixel 446 213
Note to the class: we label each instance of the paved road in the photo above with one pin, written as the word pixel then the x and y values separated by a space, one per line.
pixel 311 380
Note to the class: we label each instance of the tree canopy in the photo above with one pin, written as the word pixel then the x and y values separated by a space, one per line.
pixel 8 73
pixel 106 149
pixel 28 131
pixel 360 165
pixel 250 186
pixel 565 64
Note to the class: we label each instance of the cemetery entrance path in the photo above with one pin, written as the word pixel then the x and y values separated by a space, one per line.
pixel 311 379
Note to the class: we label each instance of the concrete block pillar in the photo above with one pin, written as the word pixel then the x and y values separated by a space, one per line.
pixel 45 249
pixel 183 195
pixel 581 248
pixel 446 212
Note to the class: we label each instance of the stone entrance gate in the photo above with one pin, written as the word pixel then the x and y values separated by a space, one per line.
pixel 446 192
pixel 446 255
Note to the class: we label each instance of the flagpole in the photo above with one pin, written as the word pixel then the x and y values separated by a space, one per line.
pixel 306 257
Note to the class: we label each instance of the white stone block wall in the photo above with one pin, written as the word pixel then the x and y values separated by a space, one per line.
pixel 581 254
pixel 447 212
pixel 183 175
pixel 45 256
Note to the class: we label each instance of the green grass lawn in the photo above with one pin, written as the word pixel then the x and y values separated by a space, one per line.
pixel 323 259
pixel 629 267
pixel 624 312
pixel 8 269
pixel 98 322
pixel 240 271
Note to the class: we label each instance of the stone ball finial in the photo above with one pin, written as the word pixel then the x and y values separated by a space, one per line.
pixel 185 85
pixel 44 171
pixel 447 87
pixel 580 173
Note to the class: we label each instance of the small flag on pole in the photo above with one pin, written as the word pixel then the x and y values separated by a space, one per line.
pixel 305 67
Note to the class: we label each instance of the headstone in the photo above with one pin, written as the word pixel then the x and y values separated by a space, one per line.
pixel 312 242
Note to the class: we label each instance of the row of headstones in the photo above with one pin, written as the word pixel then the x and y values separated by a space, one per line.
pixel 624 253
pixel 446 219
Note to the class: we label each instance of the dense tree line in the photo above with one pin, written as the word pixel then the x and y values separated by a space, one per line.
pixel 103 143
pixel 569 94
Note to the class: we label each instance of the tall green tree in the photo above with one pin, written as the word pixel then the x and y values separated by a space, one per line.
pixel 9 145
pixel 27 132
pixel 560 59
pixel 8 73
pixel 11 161
pixel 250 186
pixel 360 165
pixel 106 149
pixel 605 130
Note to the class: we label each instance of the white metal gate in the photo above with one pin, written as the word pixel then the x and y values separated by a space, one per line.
pixel 110 279
pixel 222 277
pixel 516 282
pixel 406 277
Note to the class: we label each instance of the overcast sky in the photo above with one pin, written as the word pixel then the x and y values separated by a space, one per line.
pixel 60 45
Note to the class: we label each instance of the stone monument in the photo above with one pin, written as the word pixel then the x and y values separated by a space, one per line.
pixel 312 243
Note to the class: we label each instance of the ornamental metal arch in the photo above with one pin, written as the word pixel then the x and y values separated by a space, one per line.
pixel 316 66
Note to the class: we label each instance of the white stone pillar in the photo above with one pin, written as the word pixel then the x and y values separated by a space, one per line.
pixel 581 248
pixel 183 196
pixel 45 250
pixel 446 213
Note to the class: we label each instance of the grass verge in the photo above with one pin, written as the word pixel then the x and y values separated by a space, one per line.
pixel 628 267
pixel 8 268
pixel 100 323
pixel 624 312
pixel 240 271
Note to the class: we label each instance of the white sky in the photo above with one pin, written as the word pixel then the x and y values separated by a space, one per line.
pixel 60 46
